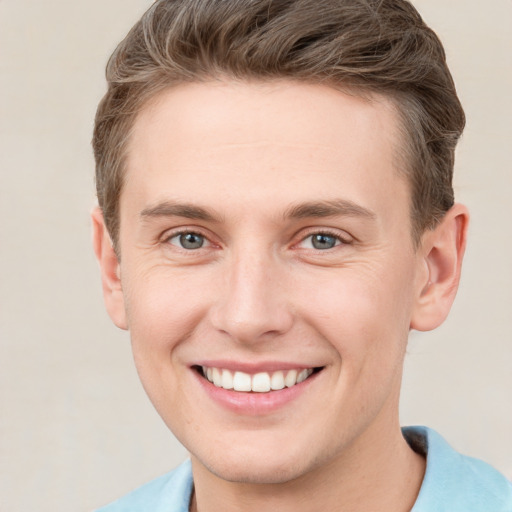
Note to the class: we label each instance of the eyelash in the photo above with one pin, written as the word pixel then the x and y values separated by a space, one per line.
pixel 168 237
pixel 340 240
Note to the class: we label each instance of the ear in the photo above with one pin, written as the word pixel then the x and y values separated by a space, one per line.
pixel 110 270
pixel 441 251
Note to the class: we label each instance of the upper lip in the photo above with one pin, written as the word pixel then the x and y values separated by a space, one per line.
pixel 255 367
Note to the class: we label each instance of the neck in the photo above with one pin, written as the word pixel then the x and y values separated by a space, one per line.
pixel 378 472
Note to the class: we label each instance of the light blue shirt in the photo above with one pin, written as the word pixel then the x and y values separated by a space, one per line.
pixel 452 483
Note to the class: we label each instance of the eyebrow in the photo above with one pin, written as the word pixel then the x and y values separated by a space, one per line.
pixel 312 209
pixel 330 208
pixel 172 209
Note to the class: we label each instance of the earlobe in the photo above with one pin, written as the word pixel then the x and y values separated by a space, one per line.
pixel 109 266
pixel 442 250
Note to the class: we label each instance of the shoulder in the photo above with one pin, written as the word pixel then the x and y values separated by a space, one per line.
pixel 170 493
pixel 455 482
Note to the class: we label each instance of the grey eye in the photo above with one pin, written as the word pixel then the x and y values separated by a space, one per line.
pixel 189 241
pixel 322 241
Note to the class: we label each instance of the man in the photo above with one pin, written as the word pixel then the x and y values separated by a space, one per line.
pixel 275 215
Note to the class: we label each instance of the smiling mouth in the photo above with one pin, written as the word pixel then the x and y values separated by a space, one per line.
pixel 262 382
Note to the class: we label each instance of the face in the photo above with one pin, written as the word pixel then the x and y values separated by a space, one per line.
pixel 265 238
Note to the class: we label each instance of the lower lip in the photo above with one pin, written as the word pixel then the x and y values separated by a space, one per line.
pixel 254 404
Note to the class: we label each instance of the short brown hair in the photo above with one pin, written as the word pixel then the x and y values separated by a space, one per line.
pixel 370 46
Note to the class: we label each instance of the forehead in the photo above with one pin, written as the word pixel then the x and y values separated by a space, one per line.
pixel 244 141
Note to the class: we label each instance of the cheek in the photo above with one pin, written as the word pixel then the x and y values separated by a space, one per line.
pixel 362 313
pixel 163 311
pixel 163 308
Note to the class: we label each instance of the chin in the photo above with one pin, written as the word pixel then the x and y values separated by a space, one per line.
pixel 257 464
pixel 263 471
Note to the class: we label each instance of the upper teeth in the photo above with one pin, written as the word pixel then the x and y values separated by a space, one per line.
pixel 260 382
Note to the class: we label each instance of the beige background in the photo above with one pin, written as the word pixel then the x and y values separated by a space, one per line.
pixel 75 427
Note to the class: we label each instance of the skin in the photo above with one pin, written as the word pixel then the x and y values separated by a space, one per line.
pixel 247 160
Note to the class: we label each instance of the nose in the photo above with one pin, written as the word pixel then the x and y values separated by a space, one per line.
pixel 253 304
